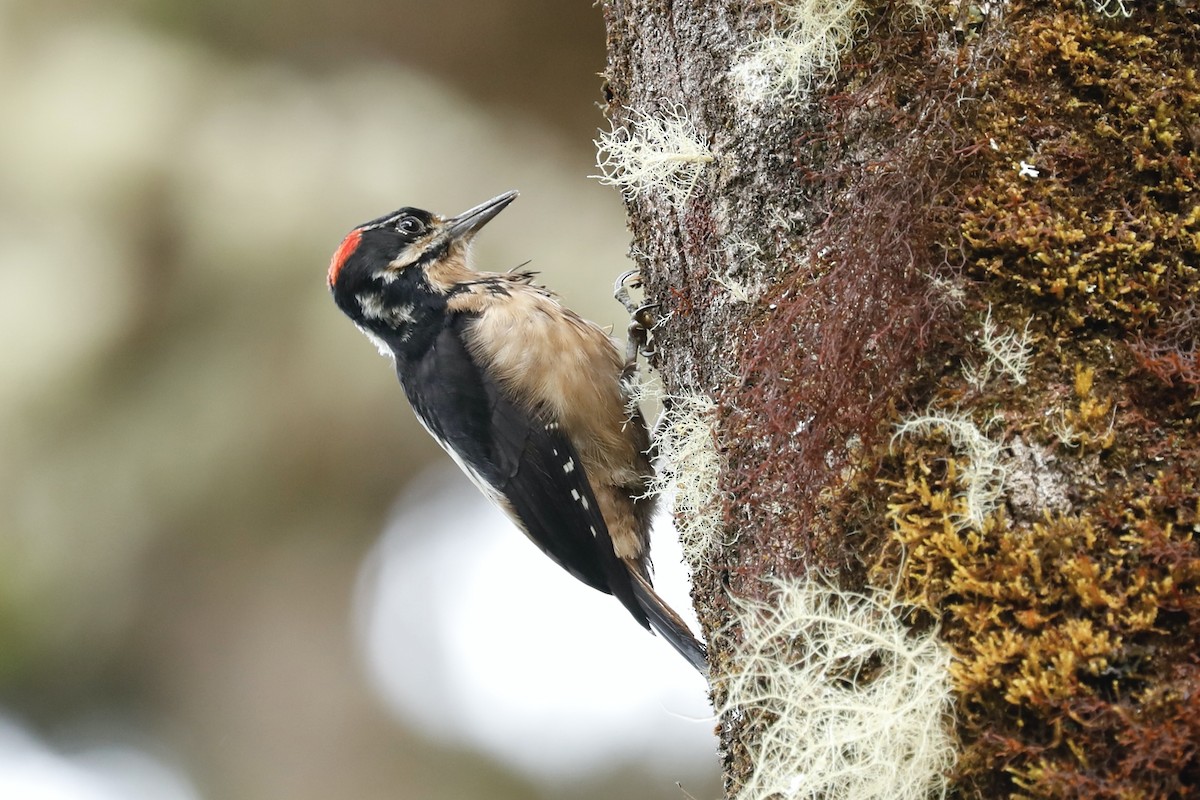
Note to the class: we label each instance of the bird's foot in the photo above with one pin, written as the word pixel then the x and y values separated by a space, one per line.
pixel 643 318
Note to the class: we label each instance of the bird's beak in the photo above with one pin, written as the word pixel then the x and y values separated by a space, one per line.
pixel 468 223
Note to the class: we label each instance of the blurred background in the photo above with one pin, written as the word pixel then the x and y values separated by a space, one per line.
pixel 231 563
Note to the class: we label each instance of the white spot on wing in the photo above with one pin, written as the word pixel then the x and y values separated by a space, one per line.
pixel 569 467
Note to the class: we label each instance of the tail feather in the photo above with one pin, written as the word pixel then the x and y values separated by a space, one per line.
pixel 667 624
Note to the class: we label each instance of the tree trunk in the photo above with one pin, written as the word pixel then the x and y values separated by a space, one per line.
pixel 928 286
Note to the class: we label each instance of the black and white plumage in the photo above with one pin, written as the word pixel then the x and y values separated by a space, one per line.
pixel 524 394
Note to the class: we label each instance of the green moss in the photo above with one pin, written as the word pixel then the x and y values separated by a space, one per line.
pixel 1071 633
pixel 1074 609
pixel 1037 167
pixel 1107 116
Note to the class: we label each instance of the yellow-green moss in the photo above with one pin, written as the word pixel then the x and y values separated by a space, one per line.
pixel 1071 633
pixel 1074 612
pixel 1105 114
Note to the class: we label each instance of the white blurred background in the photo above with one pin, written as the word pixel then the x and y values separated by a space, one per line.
pixel 231 563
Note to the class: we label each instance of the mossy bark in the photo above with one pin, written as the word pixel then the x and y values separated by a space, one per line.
pixel 964 181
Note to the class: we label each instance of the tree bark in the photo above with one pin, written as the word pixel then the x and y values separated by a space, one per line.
pixel 941 285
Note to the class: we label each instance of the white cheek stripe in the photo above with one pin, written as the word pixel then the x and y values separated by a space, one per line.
pixel 373 308
pixel 408 256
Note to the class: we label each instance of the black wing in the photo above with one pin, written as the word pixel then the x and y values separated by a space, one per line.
pixel 518 458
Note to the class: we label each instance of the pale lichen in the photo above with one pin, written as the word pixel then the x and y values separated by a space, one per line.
pixel 982 479
pixel 805 47
pixel 687 467
pixel 1007 351
pixel 851 703
pixel 655 152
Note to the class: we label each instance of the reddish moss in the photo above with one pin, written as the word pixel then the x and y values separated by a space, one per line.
pixel 837 338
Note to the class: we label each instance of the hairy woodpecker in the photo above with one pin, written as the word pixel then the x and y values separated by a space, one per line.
pixel 523 393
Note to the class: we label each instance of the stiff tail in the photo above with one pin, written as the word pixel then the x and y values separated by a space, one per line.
pixel 667 624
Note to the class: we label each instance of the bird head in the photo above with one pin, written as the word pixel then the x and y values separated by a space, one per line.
pixel 385 269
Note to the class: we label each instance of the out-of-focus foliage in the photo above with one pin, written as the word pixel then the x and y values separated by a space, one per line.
pixel 195 449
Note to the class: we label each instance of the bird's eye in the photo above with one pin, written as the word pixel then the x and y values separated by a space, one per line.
pixel 410 225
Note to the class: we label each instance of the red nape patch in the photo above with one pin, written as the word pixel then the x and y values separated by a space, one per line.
pixel 344 251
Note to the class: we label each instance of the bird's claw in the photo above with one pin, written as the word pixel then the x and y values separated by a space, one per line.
pixel 630 279
pixel 642 320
